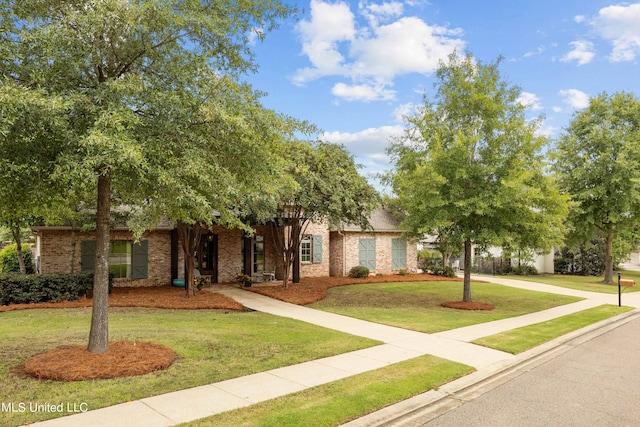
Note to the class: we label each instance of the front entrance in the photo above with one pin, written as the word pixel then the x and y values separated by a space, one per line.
pixel 206 256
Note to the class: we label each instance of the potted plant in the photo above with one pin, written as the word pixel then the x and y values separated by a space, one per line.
pixel 200 282
pixel 243 279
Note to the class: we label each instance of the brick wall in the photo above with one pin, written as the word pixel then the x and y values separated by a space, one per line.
pixel 383 252
pixel 55 248
pixel 336 246
pixel 308 269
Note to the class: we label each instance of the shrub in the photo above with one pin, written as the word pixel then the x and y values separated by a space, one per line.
pixel 525 270
pixel 9 259
pixel 403 272
pixel 446 271
pixel 53 287
pixel 359 272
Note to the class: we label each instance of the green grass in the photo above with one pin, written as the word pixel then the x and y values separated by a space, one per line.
pixel 340 401
pixel 416 305
pixel 585 283
pixel 211 346
pixel 521 339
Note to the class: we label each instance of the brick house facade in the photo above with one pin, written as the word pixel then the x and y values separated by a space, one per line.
pixel 157 259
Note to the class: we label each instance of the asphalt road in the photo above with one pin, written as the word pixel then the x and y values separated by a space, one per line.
pixel 590 383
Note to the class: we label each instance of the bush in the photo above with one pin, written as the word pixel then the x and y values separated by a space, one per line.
pixel 54 287
pixel 359 272
pixel 525 270
pixel 446 271
pixel 9 259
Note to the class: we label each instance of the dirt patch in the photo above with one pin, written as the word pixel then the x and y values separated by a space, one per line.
pixel 75 363
pixel 312 289
pixel 472 305
pixel 151 297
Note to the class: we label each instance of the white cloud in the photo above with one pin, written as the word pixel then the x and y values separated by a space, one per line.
pixel 376 13
pixel 368 146
pixel 363 92
pixel 579 19
pixel 620 24
pixel 403 111
pixel 575 98
pixel 582 52
pixel 330 24
pixel 538 51
pixel 382 47
pixel 529 100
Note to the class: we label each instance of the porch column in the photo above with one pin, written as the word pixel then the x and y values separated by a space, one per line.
pixel 248 262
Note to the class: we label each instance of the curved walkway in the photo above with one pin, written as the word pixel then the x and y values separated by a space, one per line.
pixel 397 345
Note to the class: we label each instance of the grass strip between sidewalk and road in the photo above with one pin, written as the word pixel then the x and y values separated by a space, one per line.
pixel 416 305
pixel 521 339
pixel 340 401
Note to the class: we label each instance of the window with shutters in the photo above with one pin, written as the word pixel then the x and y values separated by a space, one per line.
pixel 126 258
pixel 311 249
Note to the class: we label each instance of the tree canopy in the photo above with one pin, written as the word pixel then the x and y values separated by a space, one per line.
pixel 146 82
pixel 597 160
pixel 328 190
pixel 471 165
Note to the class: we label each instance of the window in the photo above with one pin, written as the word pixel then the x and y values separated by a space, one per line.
pixel 306 248
pixel 398 254
pixel 258 255
pixel 126 259
pixel 120 258
pixel 311 249
pixel 367 253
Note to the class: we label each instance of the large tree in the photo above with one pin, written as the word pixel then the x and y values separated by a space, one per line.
pixel 329 190
pixel 122 64
pixel 470 163
pixel 598 164
pixel 33 131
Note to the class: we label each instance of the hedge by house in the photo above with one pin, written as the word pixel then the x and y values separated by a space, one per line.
pixel 54 287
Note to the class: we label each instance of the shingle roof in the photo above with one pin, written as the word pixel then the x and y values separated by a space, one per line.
pixel 380 219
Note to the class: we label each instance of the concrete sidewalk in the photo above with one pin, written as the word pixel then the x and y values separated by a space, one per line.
pixel 397 345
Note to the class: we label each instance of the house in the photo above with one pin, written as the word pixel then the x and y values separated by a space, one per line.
pixel 157 259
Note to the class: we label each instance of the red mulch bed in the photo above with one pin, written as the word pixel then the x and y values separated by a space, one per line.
pixel 123 359
pixel 313 289
pixel 152 297
pixel 74 363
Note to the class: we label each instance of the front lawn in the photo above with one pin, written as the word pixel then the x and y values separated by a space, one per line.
pixel 211 346
pixel 416 305
pixel 584 283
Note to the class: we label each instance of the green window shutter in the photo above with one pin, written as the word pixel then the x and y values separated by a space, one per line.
pixel 398 254
pixel 317 249
pixel 87 254
pixel 367 253
pixel 140 260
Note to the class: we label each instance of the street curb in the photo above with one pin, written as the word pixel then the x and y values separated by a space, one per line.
pixel 431 404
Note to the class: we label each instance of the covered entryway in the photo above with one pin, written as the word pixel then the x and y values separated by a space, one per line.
pixel 206 256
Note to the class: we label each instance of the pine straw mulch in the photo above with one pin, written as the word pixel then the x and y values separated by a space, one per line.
pixel 151 297
pixel 312 289
pixel 123 359
pixel 75 363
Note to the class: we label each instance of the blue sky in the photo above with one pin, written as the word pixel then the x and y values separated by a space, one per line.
pixel 354 68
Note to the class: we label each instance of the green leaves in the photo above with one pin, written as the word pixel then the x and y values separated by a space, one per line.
pixel 471 164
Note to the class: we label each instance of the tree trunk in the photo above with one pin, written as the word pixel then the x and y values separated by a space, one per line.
pixel 190 238
pixel 74 238
pixel 15 230
pixel 466 296
pixel 608 266
pixel 99 333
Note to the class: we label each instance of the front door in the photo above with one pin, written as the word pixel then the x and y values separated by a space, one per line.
pixel 206 257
